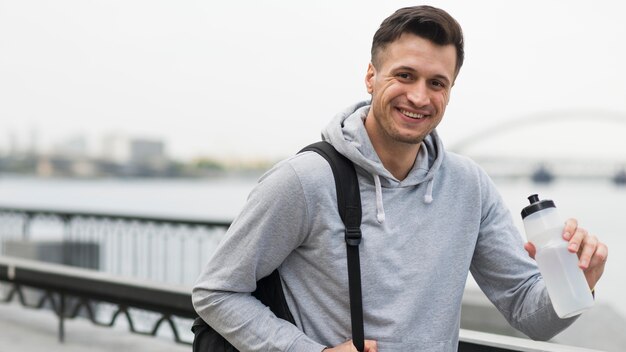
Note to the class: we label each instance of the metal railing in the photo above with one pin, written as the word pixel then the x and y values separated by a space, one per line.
pixel 476 341
pixel 68 291
pixel 162 249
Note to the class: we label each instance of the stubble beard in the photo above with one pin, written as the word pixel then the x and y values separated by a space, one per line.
pixel 389 128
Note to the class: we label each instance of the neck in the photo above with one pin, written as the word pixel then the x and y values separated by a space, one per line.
pixel 399 163
pixel 397 157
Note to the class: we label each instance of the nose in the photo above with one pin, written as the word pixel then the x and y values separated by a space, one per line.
pixel 418 94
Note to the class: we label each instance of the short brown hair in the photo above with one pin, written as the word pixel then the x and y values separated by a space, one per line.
pixel 427 22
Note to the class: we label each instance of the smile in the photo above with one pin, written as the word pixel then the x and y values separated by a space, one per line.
pixel 412 114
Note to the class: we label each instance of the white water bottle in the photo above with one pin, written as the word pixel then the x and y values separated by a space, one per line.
pixel 566 283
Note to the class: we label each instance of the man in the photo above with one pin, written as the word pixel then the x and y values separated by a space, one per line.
pixel 429 216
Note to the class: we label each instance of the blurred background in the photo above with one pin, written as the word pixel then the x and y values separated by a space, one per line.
pixel 172 109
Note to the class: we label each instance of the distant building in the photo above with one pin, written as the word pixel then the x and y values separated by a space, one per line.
pixel 134 156
pixel 124 150
pixel 115 148
pixel 72 147
pixel 145 151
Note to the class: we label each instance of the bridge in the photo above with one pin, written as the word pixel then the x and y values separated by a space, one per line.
pixel 573 144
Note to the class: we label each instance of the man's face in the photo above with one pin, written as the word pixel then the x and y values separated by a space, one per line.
pixel 410 89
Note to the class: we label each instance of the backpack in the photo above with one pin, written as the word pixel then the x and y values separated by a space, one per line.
pixel 269 289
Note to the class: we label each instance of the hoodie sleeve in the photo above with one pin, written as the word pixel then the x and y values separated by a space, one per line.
pixel 273 222
pixel 507 275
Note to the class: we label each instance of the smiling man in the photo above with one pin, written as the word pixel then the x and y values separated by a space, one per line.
pixel 429 217
pixel 410 81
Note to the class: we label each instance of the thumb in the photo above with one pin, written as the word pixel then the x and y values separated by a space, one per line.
pixel 371 346
pixel 530 248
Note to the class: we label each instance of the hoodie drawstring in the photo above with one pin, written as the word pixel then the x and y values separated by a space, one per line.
pixel 380 211
pixel 428 197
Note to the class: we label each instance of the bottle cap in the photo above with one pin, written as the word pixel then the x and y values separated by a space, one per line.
pixel 536 205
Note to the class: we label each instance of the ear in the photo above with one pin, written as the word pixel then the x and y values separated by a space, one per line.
pixel 369 78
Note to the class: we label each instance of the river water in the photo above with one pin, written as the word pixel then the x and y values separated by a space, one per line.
pixel 600 207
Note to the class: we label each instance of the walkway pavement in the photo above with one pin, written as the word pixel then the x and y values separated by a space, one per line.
pixel 28 330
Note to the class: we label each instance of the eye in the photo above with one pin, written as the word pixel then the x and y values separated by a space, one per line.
pixel 437 84
pixel 404 76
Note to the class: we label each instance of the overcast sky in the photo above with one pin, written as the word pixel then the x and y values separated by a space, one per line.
pixel 262 78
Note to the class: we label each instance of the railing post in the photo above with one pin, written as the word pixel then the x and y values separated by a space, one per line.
pixel 66 241
pixel 26 226
pixel 61 317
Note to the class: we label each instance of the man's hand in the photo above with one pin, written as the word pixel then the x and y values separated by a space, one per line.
pixel 592 253
pixel 348 346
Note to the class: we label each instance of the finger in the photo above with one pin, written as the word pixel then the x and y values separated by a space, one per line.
pixel 371 346
pixel 530 248
pixel 577 239
pixel 570 228
pixel 601 255
pixel 589 247
pixel 596 267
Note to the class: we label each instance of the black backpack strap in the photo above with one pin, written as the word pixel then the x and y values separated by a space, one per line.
pixel 349 204
pixel 269 289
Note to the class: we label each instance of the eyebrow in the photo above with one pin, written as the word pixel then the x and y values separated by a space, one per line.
pixel 411 69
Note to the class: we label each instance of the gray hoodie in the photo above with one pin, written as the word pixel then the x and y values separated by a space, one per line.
pixel 421 236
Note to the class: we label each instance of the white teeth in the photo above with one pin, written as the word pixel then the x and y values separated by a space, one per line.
pixel 412 115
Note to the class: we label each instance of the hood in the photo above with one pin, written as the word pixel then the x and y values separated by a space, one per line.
pixel 346 132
